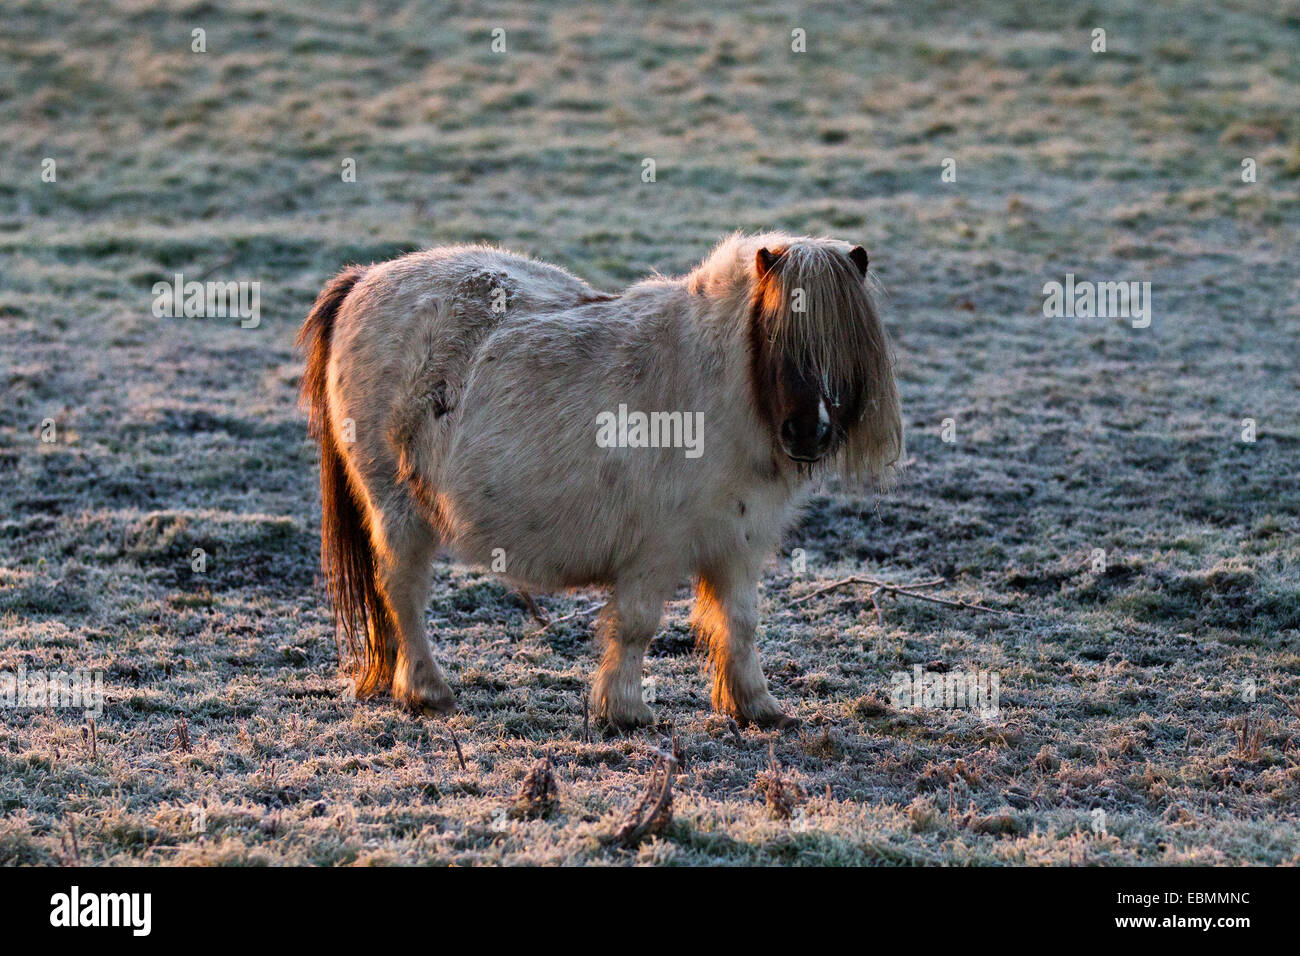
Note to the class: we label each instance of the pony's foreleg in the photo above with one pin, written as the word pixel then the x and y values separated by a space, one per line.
pixel 405 572
pixel 628 624
pixel 725 619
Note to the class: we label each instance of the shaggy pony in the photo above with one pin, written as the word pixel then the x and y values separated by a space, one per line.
pixel 456 395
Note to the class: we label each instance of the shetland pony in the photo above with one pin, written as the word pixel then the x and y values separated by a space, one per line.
pixel 458 396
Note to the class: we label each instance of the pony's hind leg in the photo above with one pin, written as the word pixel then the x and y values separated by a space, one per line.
pixel 405 569
pixel 628 624
pixel 725 618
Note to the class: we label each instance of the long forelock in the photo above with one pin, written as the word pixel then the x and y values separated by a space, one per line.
pixel 817 311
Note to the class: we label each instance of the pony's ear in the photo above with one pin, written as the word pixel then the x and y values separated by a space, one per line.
pixel 859 257
pixel 764 260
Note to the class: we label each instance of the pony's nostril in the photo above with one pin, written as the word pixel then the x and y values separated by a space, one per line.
pixel 788 432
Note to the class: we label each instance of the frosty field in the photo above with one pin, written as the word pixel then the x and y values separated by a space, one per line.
pixel 1130 494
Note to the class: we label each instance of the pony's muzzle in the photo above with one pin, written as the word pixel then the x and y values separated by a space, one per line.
pixel 806 441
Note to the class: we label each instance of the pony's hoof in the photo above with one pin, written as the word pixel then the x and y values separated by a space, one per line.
pixel 765 713
pixel 432 707
pixel 430 703
pixel 627 716
pixel 423 689
pixel 779 721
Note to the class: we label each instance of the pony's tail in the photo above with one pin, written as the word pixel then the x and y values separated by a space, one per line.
pixel 346 553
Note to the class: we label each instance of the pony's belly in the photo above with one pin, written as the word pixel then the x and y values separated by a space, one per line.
pixel 578 537
pixel 541 543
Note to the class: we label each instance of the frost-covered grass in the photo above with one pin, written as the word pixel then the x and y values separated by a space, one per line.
pixel 1122 689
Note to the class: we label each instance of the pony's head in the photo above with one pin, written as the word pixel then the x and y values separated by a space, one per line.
pixel 821 367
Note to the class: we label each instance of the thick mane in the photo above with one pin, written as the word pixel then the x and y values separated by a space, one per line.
pixel 814 307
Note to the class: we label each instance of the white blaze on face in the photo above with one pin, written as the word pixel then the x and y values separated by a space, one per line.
pixel 823 414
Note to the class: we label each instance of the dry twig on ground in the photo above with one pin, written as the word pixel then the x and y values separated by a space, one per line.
pixel 539 793
pixel 460 756
pixel 906 590
pixel 654 811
